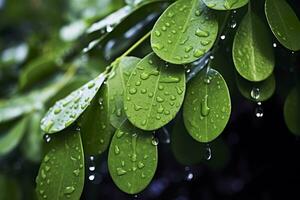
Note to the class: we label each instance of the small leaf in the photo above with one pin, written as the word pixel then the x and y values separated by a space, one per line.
pixel 207 106
pixel 225 4
pixel 67 110
pixel 186 150
pixel 184 32
pixel 116 85
pixel 257 91
pixel 284 23
pixel 291 111
pixel 252 49
pixel 10 140
pixel 132 158
pixel 96 130
pixel 61 174
pixel 154 93
pixel 32 143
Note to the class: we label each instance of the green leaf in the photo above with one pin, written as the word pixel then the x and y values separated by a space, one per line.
pixel 186 150
pixel 225 4
pixel 96 130
pixel 257 91
pixel 116 85
pixel 67 110
pixel 132 158
pixel 284 23
pixel 207 106
pixel 10 140
pixel 291 111
pixel 10 189
pixel 32 143
pixel 61 174
pixel 184 32
pixel 154 93
pixel 252 49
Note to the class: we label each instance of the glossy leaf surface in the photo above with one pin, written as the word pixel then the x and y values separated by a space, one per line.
pixel 154 93
pixel 132 158
pixel 184 32
pixel 207 106
pixel 225 4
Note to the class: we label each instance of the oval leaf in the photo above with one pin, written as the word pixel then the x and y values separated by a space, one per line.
pixel 257 91
pixel 96 129
pixel 291 111
pixel 11 139
pixel 116 85
pixel 184 32
pixel 225 4
pixel 67 110
pixel 207 106
pixel 154 93
pixel 132 158
pixel 252 49
pixel 284 23
pixel 61 174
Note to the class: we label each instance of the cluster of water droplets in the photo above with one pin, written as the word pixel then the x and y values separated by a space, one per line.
pixel 255 95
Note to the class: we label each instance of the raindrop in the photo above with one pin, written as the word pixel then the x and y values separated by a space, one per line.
pixel 69 190
pixel 109 28
pixel 47 138
pixel 255 93
pixel 207 152
pixel 233 24
pixel 259 111
pixel 274 45
pixel 154 141
pixel 92 168
pixel 92 177
pixel 223 37
pixel 189 176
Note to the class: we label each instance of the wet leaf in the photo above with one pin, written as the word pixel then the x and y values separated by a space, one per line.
pixel 61 174
pixel 252 49
pixel 116 85
pixel 291 111
pixel 10 140
pixel 184 32
pixel 67 110
pixel 207 106
pixel 32 143
pixel 96 130
pixel 154 93
pixel 284 23
pixel 225 4
pixel 186 150
pixel 257 91
pixel 132 158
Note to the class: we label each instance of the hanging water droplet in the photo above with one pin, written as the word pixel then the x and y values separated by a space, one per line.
pixel 274 45
pixel 207 152
pixel 92 177
pixel 259 112
pixel 92 168
pixel 47 138
pixel 109 28
pixel 189 176
pixel 222 37
pixel 154 141
pixel 255 93
pixel 233 24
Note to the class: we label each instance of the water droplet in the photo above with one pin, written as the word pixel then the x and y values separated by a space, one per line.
pixel 47 138
pixel 157 33
pixel 57 111
pixel 259 111
pixel 198 53
pixel 159 99
pixel 189 176
pixel 157 46
pixel 141 165
pixel 233 24
pixel 117 150
pixel 201 33
pixel 204 106
pixel 69 189
pixel 198 13
pixel 222 37
pixel 154 141
pixel 255 93
pixel 120 134
pixel 92 177
pixel 49 125
pixel 91 85
pixel 132 91
pixel 137 107
pixel 92 168
pixel 121 171
pixel 207 152
pixel 76 172
pixel 274 45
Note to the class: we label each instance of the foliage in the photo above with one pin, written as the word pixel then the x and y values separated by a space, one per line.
pixel 114 79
